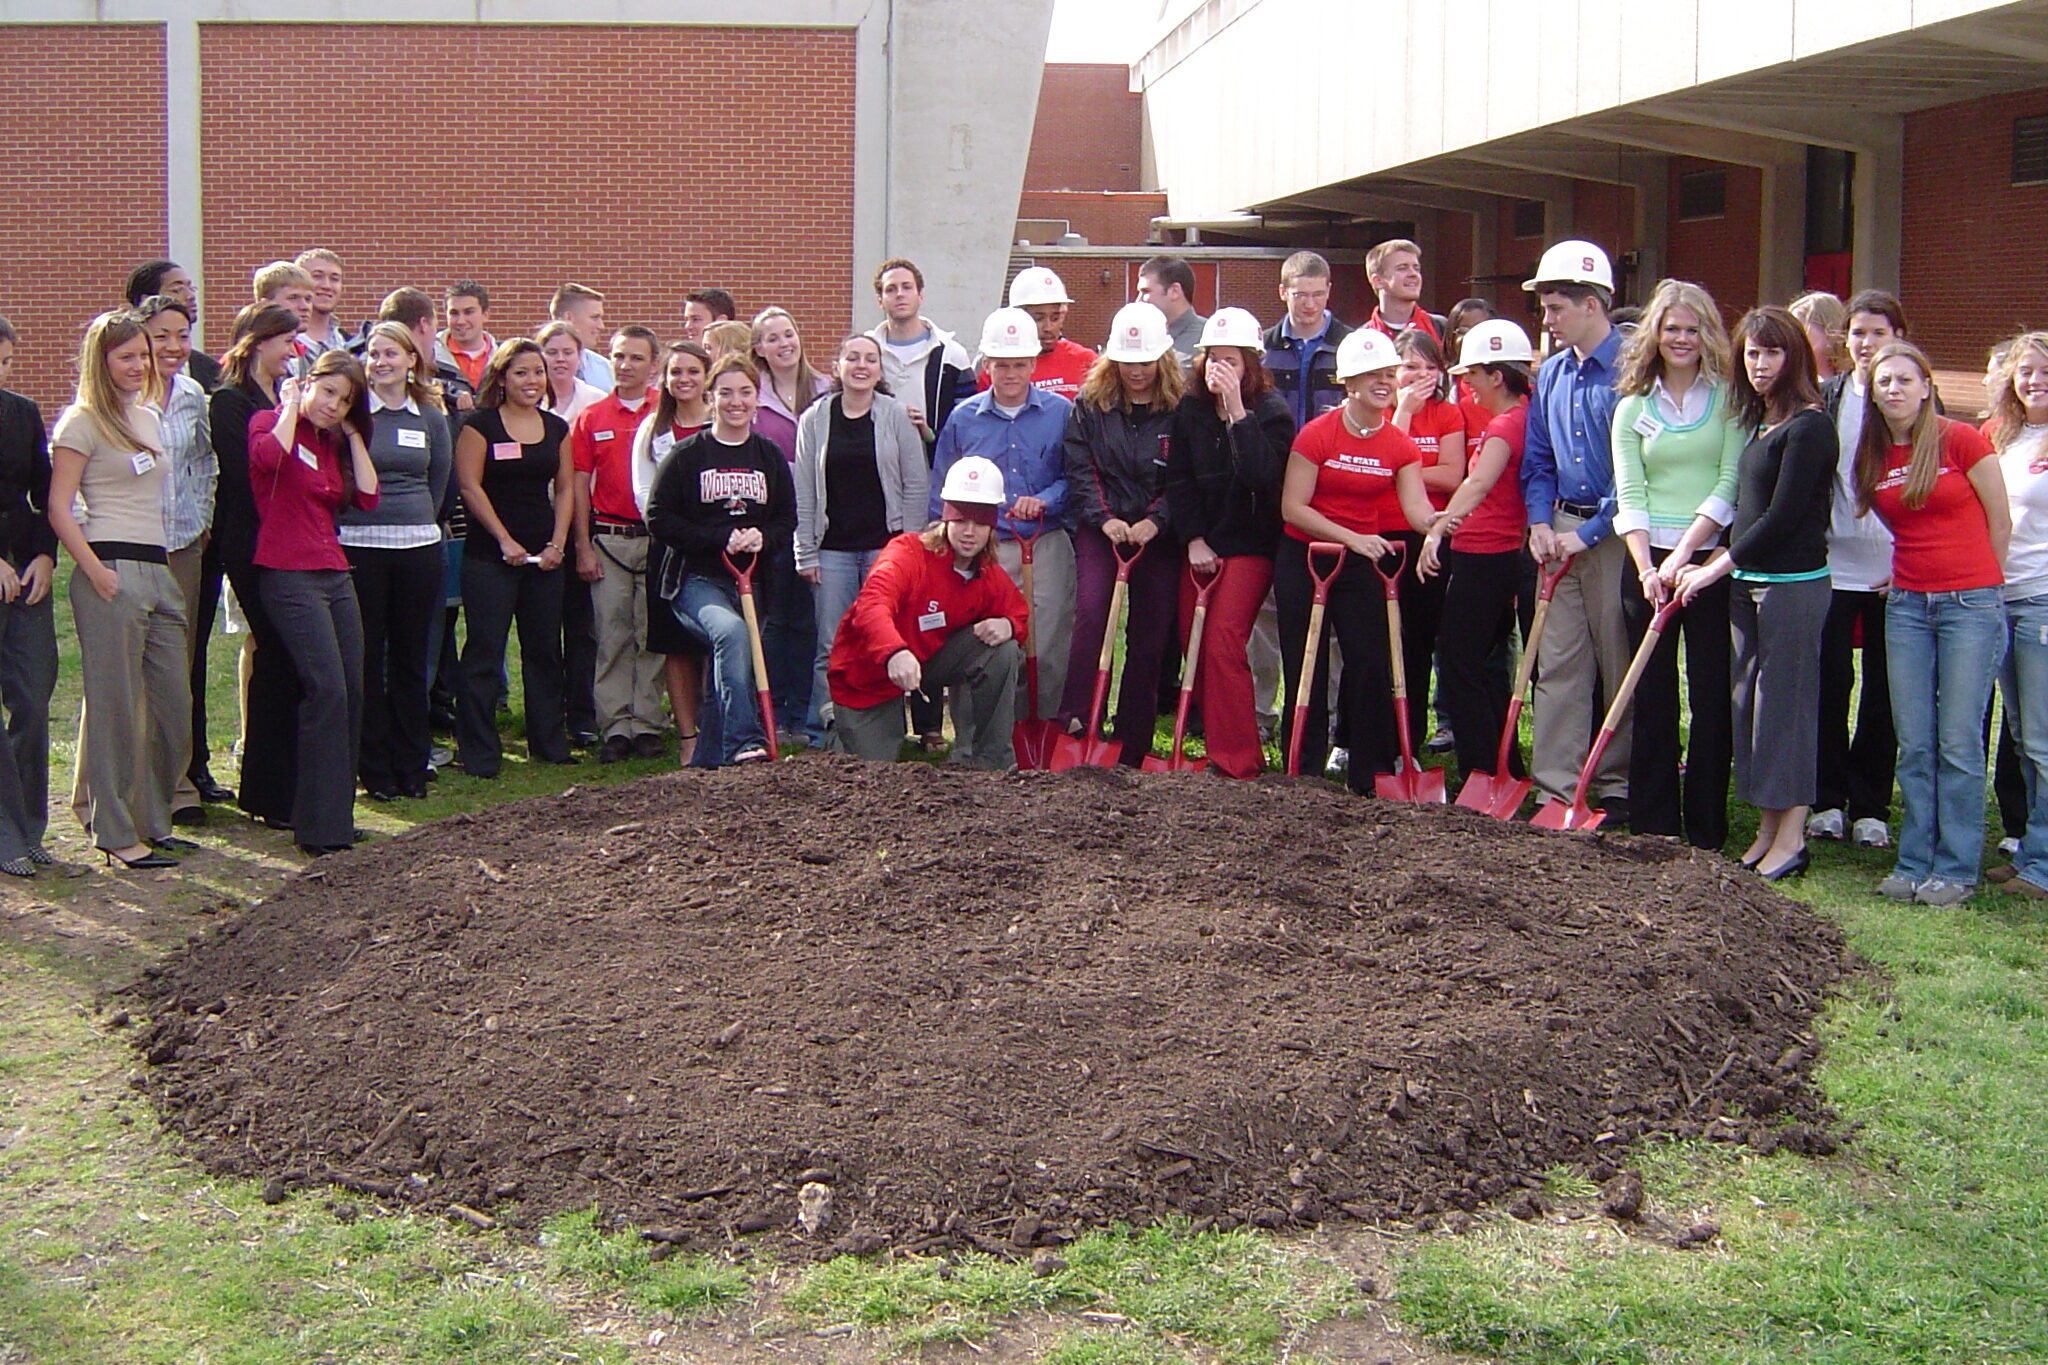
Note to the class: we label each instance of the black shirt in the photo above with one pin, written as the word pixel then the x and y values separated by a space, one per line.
pixel 24 482
pixel 1784 488
pixel 234 504
pixel 519 479
pixel 856 514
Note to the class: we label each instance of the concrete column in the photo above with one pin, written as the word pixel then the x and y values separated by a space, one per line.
pixel 184 232
pixel 872 104
pixel 1652 173
pixel 1486 248
pixel 1879 192
pixel 1781 236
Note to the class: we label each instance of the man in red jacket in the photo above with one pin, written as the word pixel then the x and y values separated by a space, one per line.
pixel 936 611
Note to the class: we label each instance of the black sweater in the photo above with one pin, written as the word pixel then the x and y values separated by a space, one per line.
pixel 1784 485
pixel 1116 462
pixel 1223 482
pixel 705 489
pixel 234 506
pixel 25 530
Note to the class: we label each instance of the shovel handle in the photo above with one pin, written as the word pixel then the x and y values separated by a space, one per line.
pixel 1548 579
pixel 743 577
pixel 1331 550
pixel 1397 551
pixel 1204 584
pixel 1125 561
pixel 1026 544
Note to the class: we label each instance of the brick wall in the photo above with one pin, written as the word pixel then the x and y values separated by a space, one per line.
pixel 1089 132
pixel 82 135
pixel 1971 268
pixel 1104 219
pixel 1719 254
pixel 641 161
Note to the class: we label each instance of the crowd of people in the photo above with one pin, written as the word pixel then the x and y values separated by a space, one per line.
pixel 719 538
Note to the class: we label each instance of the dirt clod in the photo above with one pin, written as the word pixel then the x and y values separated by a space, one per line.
pixel 1008 1009
pixel 1623 1197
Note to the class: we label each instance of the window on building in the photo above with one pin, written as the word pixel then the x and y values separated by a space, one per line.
pixel 2030 150
pixel 1702 194
pixel 1529 218
pixel 1830 201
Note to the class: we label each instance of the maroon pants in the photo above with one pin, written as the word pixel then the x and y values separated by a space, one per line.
pixel 1223 682
pixel 1148 634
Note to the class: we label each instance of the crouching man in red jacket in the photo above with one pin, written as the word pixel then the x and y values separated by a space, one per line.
pixel 936 610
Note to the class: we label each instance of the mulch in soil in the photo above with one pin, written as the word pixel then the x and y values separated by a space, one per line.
pixel 981 1010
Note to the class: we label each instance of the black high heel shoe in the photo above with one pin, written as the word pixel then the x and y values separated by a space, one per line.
pixel 171 843
pixel 1794 866
pixel 148 862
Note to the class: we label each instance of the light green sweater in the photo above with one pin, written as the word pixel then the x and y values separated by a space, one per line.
pixel 1665 475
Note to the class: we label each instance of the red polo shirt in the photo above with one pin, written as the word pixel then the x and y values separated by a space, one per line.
pixel 601 444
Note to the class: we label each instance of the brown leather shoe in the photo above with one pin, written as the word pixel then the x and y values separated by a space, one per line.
pixel 1999 875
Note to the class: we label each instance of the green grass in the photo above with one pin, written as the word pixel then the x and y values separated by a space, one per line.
pixel 577 1248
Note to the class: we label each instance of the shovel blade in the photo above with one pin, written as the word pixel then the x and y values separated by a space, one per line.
pixel 1424 786
pixel 1558 814
pixel 1480 792
pixel 1101 753
pixel 1508 796
pixel 1179 763
pixel 1034 741
pixel 1078 751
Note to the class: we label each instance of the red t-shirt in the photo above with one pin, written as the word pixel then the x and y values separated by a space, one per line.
pixel 913 599
pixel 1497 524
pixel 1062 370
pixel 1944 545
pixel 1354 474
pixel 1439 433
pixel 601 443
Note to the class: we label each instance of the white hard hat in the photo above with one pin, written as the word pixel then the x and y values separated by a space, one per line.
pixel 1232 327
pixel 1364 351
pixel 974 480
pixel 1037 285
pixel 1009 334
pixel 1573 262
pixel 1493 339
pixel 1138 334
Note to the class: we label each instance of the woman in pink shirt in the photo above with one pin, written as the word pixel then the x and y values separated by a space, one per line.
pixel 308 458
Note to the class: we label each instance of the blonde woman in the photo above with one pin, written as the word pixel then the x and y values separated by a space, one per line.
pixel 2018 431
pixel 1826 321
pixel 1676 444
pixel 108 452
pixel 790 631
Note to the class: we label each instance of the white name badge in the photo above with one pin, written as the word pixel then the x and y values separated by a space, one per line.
pixel 142 462
pixel 935 620
pixel 1648 426
pixel 603 435
pixel 310 459
pixel 663 443
pixel 412 438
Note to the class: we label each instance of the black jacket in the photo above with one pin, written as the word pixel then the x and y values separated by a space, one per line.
pixel 1116 464
pixel 704 490
pixel 1223 482
pixel 234 503
pixel 25 530
pixel 1283 363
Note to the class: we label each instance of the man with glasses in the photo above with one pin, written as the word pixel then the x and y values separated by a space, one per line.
pixel 1301 350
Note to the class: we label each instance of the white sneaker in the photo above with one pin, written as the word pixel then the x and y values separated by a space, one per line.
pixel 1934 891
pixel 1339 763
pixel 2008 846
pixel 1826 824
pixel 1898 888
pixel 1870 832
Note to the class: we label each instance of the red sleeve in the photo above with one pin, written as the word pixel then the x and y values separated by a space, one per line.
pixel 888 586
pixel 1451 436
pixel 1312 442
pixel 582 448
pixel 265 454
pixel 1962 446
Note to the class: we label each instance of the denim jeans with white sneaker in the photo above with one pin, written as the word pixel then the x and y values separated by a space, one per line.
pixel 2025 684
pixel 1945 650
pixel 713 608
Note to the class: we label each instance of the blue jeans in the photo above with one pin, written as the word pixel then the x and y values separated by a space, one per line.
pixel 2025 683
pixel 840 574
pixel 1945 650
pixel 788 638
pixel 713 608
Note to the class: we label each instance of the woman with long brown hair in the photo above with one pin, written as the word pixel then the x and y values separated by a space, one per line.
pixel 682 411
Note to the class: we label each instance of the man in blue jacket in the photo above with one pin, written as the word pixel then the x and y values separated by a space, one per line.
pixel 1567 480
pixel 1023 430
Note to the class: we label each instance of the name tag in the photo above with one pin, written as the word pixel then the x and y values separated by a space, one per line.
pixel 142 462
pixel 663 443
pixel 1648 426
pixel 412 438
pixel 934 620
pixel 506 450
pixel 602 435
pixel 310 459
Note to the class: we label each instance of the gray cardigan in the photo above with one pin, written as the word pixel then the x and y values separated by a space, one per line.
pixel 899 459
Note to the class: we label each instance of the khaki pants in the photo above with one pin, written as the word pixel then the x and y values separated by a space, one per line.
pixel 629 686
pixel 1584 652
pixel 135 729
pixel 1052 614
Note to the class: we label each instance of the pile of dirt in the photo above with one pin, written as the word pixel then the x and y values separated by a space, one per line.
pixel 983 1010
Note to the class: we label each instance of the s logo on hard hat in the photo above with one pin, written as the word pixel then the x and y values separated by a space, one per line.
pixel 1586 264
pixel 1493 343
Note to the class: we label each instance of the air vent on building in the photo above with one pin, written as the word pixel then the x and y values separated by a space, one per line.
pixel 2030 150
pixel 1529 218
pixel 1702 194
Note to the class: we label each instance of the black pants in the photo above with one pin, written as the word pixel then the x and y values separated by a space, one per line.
pixel 315 614
pixel 1479 609
pixel 495 595
pixel 1422 615
pixel 399 592
pixel 1855 774
pixel 579 654
pixel 270 741
pixel 202 613
pixel 2009 782
pixel 1357 614
pixel 1660 800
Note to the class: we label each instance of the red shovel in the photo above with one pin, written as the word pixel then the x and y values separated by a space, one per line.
pixel 745 579
pixel 1033 735
pixel 1500 793
pixel 1074 751
pixel 1412 782
pixel 1578 815
pixel 1205 583
pixel 1310 650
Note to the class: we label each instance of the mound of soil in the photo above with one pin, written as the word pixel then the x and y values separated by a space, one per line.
pixel 983 1010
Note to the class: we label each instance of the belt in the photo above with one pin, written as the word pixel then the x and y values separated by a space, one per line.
pixel 1583 510
pixel 631 530
pixel 126 549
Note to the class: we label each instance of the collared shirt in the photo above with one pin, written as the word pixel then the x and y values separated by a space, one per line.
pixel 405 479
pixel 1029 448
pixel 195 471
pixel 1301 400
pixel 1186 334
pixel 1569 453
pixel 596 371
pixel 1681 412
pixel 601 446
pixel 1419 319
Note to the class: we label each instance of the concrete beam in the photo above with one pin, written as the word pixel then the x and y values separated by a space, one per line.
pixel 1605 169
pixel 1848 132
pixel 1679 139
pixel 1361 204
pixel 1981 35
pixel 1460 173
